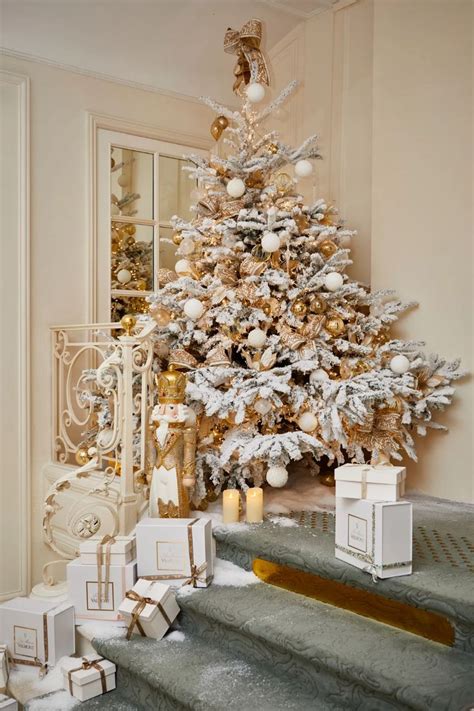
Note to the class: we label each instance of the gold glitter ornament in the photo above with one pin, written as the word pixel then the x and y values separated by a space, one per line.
pixel 327 248
pixel 177 238
pixel 299 308
pixel 82 457
pixel 130 229
pixel 160 315
pixel 283 183
pixel 318 305
pixel 335 326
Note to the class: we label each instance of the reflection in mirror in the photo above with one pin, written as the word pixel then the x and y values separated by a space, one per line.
pixel 131 256
pixel 123 305
pixel 175 188
pixel 131 183
pixel 168 256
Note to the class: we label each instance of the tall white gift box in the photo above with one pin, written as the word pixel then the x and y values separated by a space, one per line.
pixel 149 609
pixel 7 703
pixel 364 481
pixel 37 633
pixel 116 550
pixel 93 677
pixel 375 536
pixel 97 591
pixel 4 668
pixel 176 550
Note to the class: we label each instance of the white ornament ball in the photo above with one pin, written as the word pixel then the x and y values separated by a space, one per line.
pixel 235 187
pixel 399 364
pixel 256 338
pixel 255 92
pixel 105 437
pixel 277 476
pixel 307 422
pixel 303 168
pixel 193 309
pixel 262 406
pixel 318 376
pixel 270 242
pixel 182 267
pixel 187 246
pixel 92 451
pixel 333 281
pixel 123 276
pixel 122 180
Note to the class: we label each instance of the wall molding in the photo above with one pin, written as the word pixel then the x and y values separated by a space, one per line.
pixel 26 56
pixel 23 340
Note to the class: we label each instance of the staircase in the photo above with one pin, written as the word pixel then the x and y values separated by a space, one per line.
pixel 260 647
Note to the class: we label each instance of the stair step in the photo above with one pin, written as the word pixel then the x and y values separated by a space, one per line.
pixel 331 652
pixel 443 561
pixel 190 673
pixel 58 701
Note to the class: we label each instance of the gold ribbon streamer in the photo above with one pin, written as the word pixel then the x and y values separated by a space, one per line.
pixel 195 571
pixel 43 666
pixel 107 542
pixel 142 602
pixel 87 664
pixel 251 64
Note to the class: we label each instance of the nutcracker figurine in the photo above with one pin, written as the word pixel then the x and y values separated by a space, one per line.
pixel 174 432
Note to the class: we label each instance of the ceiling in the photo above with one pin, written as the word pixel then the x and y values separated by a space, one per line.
pixel 176 45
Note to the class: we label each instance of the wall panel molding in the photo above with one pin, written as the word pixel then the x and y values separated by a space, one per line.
pixel 15 483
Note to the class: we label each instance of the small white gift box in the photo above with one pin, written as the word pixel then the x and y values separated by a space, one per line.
pixel 117 550
pixel 38 633
pixel 7 703
pixel 376 483
pixel 88 677
pixel 149 609
pixel 176 550
pixel 96 592
pixel 4 668
pixel 375 536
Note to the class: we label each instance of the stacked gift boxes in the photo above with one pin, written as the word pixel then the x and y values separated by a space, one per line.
pixel 373 525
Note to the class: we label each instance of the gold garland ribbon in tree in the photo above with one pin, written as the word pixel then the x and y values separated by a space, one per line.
pixel 245 44
pixel 381 432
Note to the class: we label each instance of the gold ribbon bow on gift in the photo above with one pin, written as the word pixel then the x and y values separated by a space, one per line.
pixel 88 664
pixel 251 64
pixel 142 602
pixel 103 556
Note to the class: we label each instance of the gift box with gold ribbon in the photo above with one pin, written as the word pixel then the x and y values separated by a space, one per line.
pixel 149 609
pixel 117 550
pixel 381 482
pixel 88 677
pixel 96 591
pixel 37 633
pixel 178 551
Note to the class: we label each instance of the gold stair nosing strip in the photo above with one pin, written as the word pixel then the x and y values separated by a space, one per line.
pixel 409 618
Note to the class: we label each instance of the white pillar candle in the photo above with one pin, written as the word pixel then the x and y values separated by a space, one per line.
pixel 255 505
pixel 230 506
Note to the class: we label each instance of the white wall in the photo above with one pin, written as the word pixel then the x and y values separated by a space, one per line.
pixel 60 101
pixel 388 86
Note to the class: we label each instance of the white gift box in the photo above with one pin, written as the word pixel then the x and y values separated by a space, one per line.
pixel 375 536
pixel 120 550
pixel 176 550
pixel 376 483
pixel 4 668
pixel 88 677
pixel 97 597
pixel 154 618
pixel 7 703
pixel 37 632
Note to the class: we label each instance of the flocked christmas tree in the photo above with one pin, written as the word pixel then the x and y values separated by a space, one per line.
pixel 286 356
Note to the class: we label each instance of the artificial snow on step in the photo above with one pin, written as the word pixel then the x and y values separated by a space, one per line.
pixel 25 683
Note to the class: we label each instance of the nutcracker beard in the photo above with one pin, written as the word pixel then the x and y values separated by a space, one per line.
pixel 173 471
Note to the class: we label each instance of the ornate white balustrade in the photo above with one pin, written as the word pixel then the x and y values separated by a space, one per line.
pixel 102 397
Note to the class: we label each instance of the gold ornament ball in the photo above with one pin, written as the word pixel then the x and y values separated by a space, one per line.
pixel 141 284
pixel 82 457
pixel 130 229
pixel 327 478
pixel 130 241
pixel 177 239
pixel 161 316
pixel 318 305
pixel 327 248
pixel 299 308
pixel 335 326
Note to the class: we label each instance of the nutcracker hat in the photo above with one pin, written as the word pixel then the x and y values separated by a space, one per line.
pixel 171 386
